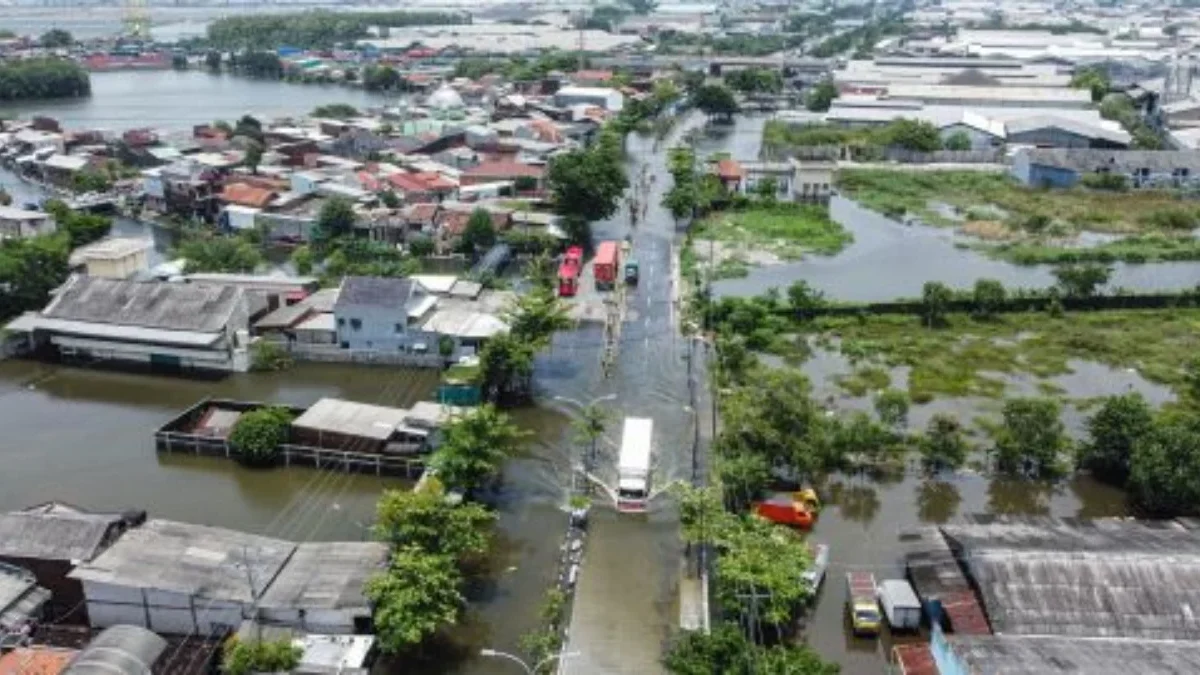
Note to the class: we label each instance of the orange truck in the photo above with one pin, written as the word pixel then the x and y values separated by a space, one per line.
pixel 794 509
pixel 604 267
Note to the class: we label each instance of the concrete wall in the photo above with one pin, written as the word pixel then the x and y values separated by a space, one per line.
pixel 163 612
pixel 370 327
pixel 117 268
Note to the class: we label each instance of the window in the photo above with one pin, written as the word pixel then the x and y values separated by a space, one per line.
pixel 399 328
pixel 345 345
pixel 356 324
pixel 341 322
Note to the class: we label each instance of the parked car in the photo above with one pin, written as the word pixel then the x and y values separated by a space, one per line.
pixel 860 601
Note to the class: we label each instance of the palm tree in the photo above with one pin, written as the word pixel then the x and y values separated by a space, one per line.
pixel 589 428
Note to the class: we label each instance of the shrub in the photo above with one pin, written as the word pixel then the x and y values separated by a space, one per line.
pixel 1105 181
pixel 243 658
pixel 259 433
pixel 267 356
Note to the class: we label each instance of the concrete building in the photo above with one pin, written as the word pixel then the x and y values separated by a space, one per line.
pixel 20 223
pixel 181 579
pixel 382 314
pixel 610 100
pixel 1142 168
pixel 795 180
pixel 112 258
pixel 171 325
pixel 49 540
pixel 320 589
pixel 353 427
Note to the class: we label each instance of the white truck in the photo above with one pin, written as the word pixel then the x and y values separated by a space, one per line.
pixel 900 605
pixel 633 467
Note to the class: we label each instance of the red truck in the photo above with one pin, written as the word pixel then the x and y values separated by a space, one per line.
pixel 605 265
pixel 568 272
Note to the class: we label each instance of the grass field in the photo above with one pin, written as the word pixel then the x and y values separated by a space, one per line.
pixel 898 193
pixel 789 231
pixel 969 357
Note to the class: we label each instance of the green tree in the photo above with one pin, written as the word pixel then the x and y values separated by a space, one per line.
pixel 337 111
pixel 258 434
pixel 767 189
pixel 959 141
pixel 37 78
pixel 587 183
pixel 641 7
pixel 381 77
pixel 821 96
pixel 1191 377
pixel 1082 280
pixel 943 445
pixel 715 100
pixel 536 316
pixel 1113 432
pixel 744 477
pixel 269 356
pixel 589 428
pixel 935 303
pixel 336 218
pixel 215 253
pixel 473 448
pixel 302 258
pixel 506 363
pixel 759 558
pixel 804 300
pixel 892 407
pixel 479 234
pixel 909 134
pixel 56 38
pixel 1031 439
pixel 254 155
pixel 989 297
pixel 1096 80
pixel 1164 470
pixel 80 226
pixel 240 657
pixel 29 269
pixel 417 596
pixel 425 520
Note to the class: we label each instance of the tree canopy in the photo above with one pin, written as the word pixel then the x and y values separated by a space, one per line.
pixel 587 183
pixel 726 651
pixel 315 29
pixel 1031 440
pixel 418 595
pixel 42 78
pixel 479 234
pixel 715 100
pixel 244 657
pixel 424 519
pixel 257 434
pixel 474 446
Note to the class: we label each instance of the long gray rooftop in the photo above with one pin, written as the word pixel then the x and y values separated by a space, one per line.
pixel 169 306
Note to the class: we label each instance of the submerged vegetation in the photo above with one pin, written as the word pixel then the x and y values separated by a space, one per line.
pixel 787 230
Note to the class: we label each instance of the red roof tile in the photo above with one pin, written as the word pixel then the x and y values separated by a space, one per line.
pixel 35 661
pixel 964 613
pixel 504 170
pixel 729 169
pixel 915 659
pixel 423 212
pixel 593 75
pixel 407 182
pixel 247 195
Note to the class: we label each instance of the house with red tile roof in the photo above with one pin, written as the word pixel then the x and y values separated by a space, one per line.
pixel 492 171
pixel 243 194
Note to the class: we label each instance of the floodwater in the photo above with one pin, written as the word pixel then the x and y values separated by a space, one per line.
pixel 175 101
pixel 909 255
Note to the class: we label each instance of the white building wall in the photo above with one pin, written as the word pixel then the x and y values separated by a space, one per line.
pixel 163 612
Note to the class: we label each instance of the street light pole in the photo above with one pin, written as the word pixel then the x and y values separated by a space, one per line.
pixel 529 670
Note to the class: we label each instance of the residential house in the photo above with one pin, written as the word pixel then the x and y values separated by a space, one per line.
pixel 169 325
pixel 1062 168
pixel 531 176
pixel 813 180
pixel 320 589
pixel 983 132
pixel 382 314
pixel 61 169
pixel 351 426
pixel 242 204
pixel 730 173
pixel 591 78
pixel 609 100
pixel 112 258
pixel 809 180
pixel 50 539
pixel 184 188
pixel 21 223
pixel 181 579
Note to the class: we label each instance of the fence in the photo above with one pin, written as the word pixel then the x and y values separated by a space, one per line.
pixel 872 153
pixel 298 455
pixel 333 354
pixel 989 156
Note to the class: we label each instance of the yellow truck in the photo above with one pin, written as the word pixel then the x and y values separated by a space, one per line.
pixel 865 619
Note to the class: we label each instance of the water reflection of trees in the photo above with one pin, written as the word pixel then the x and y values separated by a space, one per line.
pixel 856 502
pixel 1023 497
pixel 937 501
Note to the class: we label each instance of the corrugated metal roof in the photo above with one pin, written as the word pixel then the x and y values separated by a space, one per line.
pixel 54 536
pixel 1029 655
pixel 326 576
pixel 385 292
pixel 351 418
pixel 152 305
pixel 196 560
